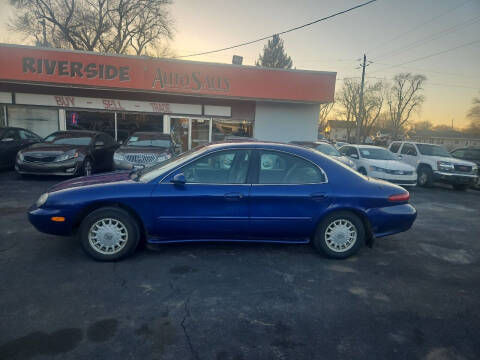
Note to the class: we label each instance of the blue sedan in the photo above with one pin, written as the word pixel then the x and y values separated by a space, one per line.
pixel 240 191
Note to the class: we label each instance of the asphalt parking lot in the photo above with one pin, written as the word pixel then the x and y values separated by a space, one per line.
pixel 414 295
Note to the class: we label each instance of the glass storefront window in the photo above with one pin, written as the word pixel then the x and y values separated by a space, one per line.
pixel 2 116
pixel 128 123
pixel 91 120
pixel 41 121
pixel 179 133
pixel 222 128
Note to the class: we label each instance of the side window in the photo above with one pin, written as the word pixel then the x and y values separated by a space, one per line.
pixel 394 147
pixel 281 168
pixel 409 149
pixel 460 153
pixel 223 167
pixel 27 135
pixel 343 150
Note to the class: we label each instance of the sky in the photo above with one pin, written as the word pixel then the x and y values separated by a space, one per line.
pixel 394 34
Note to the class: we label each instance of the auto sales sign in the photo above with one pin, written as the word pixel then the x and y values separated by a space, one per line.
pixel 24 64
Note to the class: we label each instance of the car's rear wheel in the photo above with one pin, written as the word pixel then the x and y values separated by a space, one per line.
pixel 109 234
pixel 340 235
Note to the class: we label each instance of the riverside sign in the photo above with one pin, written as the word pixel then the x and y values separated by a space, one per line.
pixel 23 64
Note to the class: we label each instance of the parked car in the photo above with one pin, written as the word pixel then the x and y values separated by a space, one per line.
pixel 380 163
pixel 471 154
pixel 13 139
pixel 143 149
pixel 243 191
pixel 339 144
pixel 435 163
pixel 327 149
pixel 67 153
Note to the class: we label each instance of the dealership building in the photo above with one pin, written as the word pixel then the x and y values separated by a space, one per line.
pixel 45 90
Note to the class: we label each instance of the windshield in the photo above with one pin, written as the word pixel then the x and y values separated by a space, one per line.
pixel 376 154
pixel 68 139
pixel 152 172
pixel 433 150
pixel 327 149
pixel 151 140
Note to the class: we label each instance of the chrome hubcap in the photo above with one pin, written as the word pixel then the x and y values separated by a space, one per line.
pixel 88 168
pixel 340 235
pixel 108 236
pixel 423 178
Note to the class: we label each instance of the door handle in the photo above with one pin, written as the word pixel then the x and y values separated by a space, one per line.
pixel 233 196
pixel 400 156
pixel 318 196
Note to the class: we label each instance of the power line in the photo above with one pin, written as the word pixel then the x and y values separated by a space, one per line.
pixel 430 55
pixel 421 24
pixel 280 33
pixel 430 71
pixel 429 38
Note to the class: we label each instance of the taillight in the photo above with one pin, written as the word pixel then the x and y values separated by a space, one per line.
pixel 399 197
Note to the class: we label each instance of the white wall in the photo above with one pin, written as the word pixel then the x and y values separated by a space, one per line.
pixel 285 122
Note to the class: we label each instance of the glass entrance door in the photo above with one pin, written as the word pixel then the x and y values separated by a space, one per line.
pixel 188 133
pixel 200 132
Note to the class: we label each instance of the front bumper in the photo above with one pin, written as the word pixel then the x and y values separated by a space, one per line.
pixel 455 178
pixel 405 180
pixel 61 168
pixel 40 218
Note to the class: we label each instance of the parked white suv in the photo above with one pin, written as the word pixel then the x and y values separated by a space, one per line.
pixel 435 163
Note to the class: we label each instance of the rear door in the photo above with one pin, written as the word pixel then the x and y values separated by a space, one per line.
pixel 212 204
pixel 9 149
pixel 289 194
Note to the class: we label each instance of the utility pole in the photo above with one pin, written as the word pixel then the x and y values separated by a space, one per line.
pixel 360 102
pixel 45 44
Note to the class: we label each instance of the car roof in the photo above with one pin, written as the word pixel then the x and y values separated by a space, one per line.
pixel 80 132
pixel 360 146
pixel 158 133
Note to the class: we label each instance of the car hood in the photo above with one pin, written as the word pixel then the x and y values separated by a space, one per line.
pixel 344 160
pixel 143 149
pixel 390 164
pixel 51 148
pixel 452 160
pixel 106 178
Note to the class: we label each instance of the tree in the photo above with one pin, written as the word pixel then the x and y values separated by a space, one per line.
pixel 349 100
pixel 325 110
pixel 274 55
pixel 423 125
pixel 404 97
pixel 474 116
pixel 111 26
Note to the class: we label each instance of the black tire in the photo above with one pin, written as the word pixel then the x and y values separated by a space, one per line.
pixel 425 176
pixel 362 171
pixel 321 245
pixel 460 187
pixel 120 216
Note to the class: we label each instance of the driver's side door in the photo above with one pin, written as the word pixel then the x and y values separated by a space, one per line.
pixel 211 205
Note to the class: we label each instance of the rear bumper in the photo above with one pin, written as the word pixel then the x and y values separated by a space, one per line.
pixel 461 179
pixel 62 168
pixel 391 219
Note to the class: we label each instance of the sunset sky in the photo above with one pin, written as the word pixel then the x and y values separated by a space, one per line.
pixel 390 33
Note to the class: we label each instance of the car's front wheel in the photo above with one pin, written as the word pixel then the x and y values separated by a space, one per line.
pixel 109 234
pixel 340 235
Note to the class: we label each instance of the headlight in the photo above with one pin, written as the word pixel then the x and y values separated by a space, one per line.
pixel 375 168
pixel 163 157
pixel 66 156
pixel 474 168
pixel 19 156
pixel 42 200
pixel 445 166
pixel 118 156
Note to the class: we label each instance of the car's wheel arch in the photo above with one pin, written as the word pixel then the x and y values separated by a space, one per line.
pixel 103 204
pixel 424 165
pixel 360 213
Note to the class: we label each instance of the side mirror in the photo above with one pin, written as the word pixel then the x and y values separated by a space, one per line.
pixel 354 156
pixel 8 139
pixel 179 179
